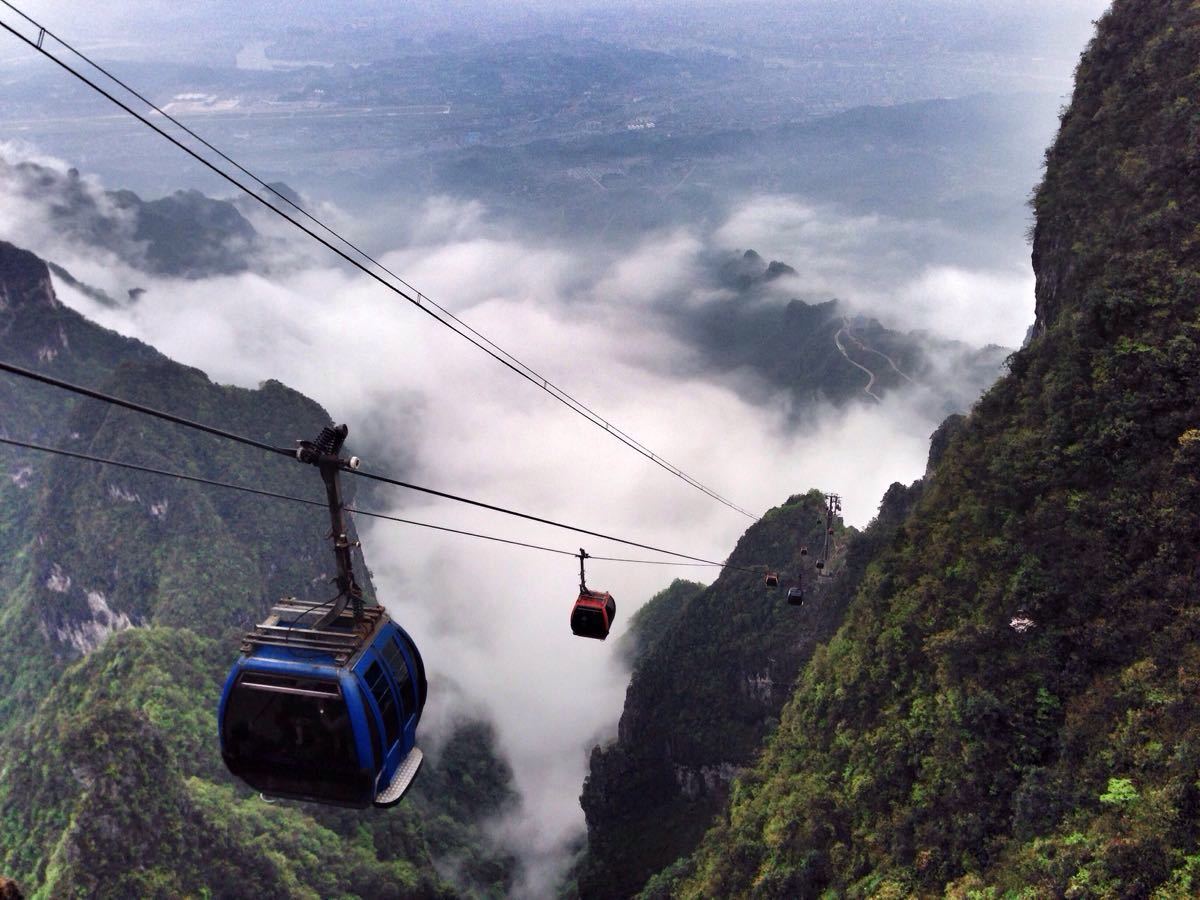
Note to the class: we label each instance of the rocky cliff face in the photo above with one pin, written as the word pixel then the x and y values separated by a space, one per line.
pixel 38 331
pixel 1010 708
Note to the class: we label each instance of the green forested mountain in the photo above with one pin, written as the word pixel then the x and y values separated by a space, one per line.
pixel 712 669
pixel 1010 708
pixel 121 598
pixel 997 695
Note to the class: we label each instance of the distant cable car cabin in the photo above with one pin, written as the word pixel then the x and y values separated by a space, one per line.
pixel 795 596
pixel 324 702
pixel 325 714
pixel 594 611
pixel 771 580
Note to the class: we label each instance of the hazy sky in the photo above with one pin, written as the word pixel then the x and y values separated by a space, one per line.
pixel 153 26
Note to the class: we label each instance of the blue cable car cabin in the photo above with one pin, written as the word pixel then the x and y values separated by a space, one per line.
pixel 326 714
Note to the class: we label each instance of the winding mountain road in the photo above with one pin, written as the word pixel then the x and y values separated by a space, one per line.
pixel 848 330
pixel 837 339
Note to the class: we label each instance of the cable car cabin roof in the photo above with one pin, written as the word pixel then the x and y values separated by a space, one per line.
pixel 289 628
pixel 595 597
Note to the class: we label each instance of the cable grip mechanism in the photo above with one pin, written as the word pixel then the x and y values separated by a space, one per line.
pixel 323 453
pixel 583 554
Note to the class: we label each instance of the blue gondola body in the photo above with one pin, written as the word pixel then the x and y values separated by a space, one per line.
pixel 326 714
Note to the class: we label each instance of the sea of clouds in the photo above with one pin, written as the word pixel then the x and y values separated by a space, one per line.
pixel 492 620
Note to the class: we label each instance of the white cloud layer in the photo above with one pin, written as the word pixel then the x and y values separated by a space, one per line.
pixel 881 266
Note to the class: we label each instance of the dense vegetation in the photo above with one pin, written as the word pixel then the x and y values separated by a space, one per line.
pixel 115 788
pixel 1011 707
pixel 122 597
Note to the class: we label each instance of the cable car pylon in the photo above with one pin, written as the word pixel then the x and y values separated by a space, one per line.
pixel 833 506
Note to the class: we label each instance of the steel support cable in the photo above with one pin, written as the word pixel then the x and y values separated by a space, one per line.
pixel 139 408
pixel 218 432
pixel 527 516
pixel 445 318
pixel 546 384
pixel 59 451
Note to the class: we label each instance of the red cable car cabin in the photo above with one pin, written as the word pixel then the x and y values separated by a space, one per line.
pixel 593 614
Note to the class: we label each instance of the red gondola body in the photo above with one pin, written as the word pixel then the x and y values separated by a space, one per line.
pixel 593 614
pixel 771 580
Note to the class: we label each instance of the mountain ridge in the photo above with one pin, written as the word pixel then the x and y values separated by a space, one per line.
pixel 1009 708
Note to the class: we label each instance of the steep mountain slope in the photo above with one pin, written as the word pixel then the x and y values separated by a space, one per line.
pixel 121 596
pixel 115 788
pixel 1011 708
pixel 712 670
